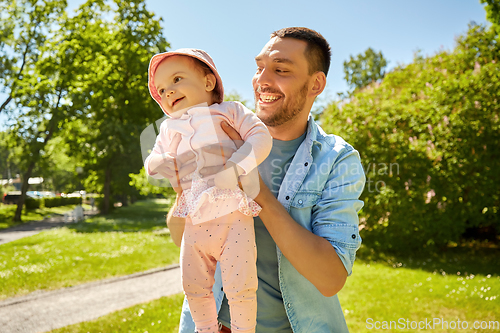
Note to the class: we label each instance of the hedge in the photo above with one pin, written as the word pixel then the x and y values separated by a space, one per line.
pixel 51 202
pixel 31 203
pixel 429 139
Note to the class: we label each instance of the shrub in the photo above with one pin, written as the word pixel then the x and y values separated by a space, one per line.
pixel 150 187
pixel 31 203
pixel 53 202
pixel 429 139
pixel 61 201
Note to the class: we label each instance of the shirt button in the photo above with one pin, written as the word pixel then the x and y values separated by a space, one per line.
pixel 306 164
pixel 287 197
pixel 289 305
pixel 353 236
pixel 300 202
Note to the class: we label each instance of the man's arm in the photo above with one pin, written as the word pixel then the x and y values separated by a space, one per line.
pixel 311 255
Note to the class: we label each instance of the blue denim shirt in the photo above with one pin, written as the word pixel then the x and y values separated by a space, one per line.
pixel 321 192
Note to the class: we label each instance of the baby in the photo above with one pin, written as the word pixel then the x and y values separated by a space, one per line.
pixel 219 219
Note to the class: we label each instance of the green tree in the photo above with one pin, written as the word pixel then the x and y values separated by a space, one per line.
pixel 364 69
pixel 493 12
pixel 58 168
pixel 40 86
pixel 429 138
pixel 235 96
pixel 6 168
pixel 111 57
pixel 148 186
pixel 25 26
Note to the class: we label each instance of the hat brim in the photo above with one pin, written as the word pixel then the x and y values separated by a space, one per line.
pixel 197 54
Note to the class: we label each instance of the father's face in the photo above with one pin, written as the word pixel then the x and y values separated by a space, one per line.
pixel 281 82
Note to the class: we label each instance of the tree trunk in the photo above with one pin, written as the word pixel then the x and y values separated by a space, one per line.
pixel 107 190
pixel 24 189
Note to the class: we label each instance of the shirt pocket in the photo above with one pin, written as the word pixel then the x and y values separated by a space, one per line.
pixel 305 199
pixel 302 205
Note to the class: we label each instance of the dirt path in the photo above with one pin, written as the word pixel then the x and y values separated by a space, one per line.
pixel 45 311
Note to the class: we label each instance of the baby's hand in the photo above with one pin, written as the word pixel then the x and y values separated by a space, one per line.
pixel 173 167
pixel 164 164
pixel 228 178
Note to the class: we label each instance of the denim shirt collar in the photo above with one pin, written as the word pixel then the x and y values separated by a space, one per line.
pixel 300 164
pixel 312 134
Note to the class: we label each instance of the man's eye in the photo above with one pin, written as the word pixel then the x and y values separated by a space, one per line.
pixel 259 70
pixel 279 70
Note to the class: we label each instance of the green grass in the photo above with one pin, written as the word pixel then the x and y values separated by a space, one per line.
pixel 7 213
pixel 129 240
pixel 457 284
pixel 460 283
pixel 161 315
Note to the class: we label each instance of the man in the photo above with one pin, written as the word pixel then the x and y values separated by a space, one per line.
pixel 307 232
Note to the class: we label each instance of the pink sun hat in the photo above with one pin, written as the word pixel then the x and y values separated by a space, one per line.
pixel 194 53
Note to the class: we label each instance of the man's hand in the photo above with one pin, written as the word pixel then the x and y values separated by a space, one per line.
pixel 228 178
pixel 224 153
pixel 248 183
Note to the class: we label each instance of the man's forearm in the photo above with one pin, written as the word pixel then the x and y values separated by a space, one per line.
pixel 175 225
pixel 311 255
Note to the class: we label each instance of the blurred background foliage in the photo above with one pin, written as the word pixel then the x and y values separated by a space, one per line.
pixel 429 139
pixel 77 92
pixel 428 131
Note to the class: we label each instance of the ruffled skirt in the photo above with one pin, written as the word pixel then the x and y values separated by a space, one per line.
pixel 203 203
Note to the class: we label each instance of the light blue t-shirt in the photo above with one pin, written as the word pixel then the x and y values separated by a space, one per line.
pixel 271 315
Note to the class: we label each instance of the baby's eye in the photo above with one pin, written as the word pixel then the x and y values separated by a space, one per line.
pixel 177 79
pixel 161 91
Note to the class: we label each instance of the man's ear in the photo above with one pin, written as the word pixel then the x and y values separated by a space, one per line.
pixel 318 83
pixel 210 82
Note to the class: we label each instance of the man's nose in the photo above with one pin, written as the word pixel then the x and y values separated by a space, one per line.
pixel 263 78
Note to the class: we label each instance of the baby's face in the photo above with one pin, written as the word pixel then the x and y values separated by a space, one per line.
pixel 181 85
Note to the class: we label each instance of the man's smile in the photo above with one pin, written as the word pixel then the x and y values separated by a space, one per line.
pixel 268 98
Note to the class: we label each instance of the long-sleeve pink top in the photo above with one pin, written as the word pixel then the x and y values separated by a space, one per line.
pixel 200 127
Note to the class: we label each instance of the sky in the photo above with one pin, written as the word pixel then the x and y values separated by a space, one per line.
pixel 234 32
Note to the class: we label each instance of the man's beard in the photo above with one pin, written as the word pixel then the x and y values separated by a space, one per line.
pixel 286 112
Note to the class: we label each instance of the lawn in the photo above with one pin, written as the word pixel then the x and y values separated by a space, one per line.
pixel 129 240
pixel 461 283
pixel 7 213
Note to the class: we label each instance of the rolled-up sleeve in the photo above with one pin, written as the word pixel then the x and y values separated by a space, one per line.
pixel 335 215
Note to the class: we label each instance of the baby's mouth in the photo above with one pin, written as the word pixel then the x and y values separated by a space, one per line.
pixel 177 101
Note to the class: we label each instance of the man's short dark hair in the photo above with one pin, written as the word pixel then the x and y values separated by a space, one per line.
pixel 317 51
